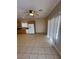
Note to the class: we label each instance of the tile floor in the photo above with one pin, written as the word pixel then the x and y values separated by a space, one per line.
pixel 35 47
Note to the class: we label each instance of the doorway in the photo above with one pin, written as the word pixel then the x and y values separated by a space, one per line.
pixel 31 27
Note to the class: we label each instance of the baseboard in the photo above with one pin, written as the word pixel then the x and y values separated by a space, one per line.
pixel 40 33
pixel 52 43
pixel 57 49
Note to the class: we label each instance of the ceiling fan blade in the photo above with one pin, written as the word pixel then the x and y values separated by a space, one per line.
pixel 36 14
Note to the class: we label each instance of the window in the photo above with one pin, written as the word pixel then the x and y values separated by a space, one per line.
pixel 24 25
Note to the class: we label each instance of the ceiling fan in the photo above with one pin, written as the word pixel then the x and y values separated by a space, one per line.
pixel 31 13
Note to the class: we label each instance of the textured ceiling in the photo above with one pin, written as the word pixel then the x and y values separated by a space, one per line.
pixel 46 6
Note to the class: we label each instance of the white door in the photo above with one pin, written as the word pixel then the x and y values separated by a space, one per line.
pixel 31 29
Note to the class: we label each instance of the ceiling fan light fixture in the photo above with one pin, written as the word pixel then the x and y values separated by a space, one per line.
pixel 31 14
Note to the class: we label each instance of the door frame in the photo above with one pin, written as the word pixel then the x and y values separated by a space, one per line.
pixel 32 22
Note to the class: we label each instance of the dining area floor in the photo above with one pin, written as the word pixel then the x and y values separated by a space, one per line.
pixel 35 47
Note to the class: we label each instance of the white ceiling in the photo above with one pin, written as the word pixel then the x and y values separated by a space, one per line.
pixel 46 5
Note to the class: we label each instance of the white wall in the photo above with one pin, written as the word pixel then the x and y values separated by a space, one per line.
pixel 40 25
pixel 54 30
